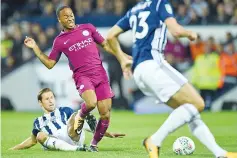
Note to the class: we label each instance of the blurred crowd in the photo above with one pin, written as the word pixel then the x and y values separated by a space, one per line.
pixel 212 66
pixel 187 12
pixel 217 59
pixel 12 10
pixel 13 51
pixel 205 12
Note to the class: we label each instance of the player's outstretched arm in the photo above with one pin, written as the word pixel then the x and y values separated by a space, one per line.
pixel 178 31
pixel 28 143
pixel 113 42
pixel 30 43
pixel 119 55
pixel 112 39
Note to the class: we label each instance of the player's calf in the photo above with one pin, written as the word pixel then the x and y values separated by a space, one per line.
pixel 70 128
pixel 78 123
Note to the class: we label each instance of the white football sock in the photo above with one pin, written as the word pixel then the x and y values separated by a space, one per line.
pixel 176 119
pixel 202 132
pixel 57 144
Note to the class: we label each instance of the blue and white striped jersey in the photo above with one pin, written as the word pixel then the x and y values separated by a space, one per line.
pixel 146 19
pixel 50 123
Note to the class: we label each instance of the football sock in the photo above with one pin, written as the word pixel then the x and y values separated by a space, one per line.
pixel 101 128
pixel 57 144
pixel 202 132
pixel 84 110
pixel 183 114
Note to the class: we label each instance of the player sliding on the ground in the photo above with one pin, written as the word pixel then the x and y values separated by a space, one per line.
pixel 54 129
pixel 149 21
pixel 78 43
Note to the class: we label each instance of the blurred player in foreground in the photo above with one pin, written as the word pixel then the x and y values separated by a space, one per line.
pixel 54 129
pixel 78 43
pixel 149 21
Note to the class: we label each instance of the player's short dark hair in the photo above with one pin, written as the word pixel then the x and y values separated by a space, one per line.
pixel 42 91
pixel 61 8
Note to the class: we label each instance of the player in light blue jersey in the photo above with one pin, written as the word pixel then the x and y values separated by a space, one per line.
pixel 149 21
pixel 54 130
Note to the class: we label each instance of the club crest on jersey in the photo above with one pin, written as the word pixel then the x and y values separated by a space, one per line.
pixel 82 86
pixel 168 8
pixel 85 33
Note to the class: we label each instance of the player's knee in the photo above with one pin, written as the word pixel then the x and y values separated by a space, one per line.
pixel 91 104
pixel 41 137
pixel 200 104
pixel 105 115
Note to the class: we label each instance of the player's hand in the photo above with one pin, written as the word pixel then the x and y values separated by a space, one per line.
pixel 127 73
pixel 12 148
pixel 114 135
pixel 29 42
pixel 128 56
pixel 192 36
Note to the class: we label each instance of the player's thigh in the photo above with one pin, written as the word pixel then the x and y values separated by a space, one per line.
pixel 104 107
pixel 186 94
pixel 160 80
pixel 86 90
pixel 175 88
pixel 138 76
pixel 62 134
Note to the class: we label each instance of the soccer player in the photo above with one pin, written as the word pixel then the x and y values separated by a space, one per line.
pixel 149 21
pixel 54 130
pixel 78 43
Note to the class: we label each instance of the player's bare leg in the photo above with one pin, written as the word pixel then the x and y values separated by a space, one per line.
pixel 187 104
pixel 90 99
pixel 70 128
pixel 53 143
pixel 104 107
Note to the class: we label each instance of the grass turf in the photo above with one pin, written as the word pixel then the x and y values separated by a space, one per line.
pixel 17 126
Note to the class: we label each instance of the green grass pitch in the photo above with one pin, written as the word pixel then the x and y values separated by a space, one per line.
pixel 17 126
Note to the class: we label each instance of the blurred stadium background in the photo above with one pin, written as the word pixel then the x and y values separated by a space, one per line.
pixel 210 63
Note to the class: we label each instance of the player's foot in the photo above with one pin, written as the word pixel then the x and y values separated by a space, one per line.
pixel 231 155
pixel 91 120
pixel 82 148
pixel 152 149
pixel 93 149
pixel 78 124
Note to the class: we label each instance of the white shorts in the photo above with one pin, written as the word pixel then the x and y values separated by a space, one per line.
pixel 158 80
pixel 62 134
